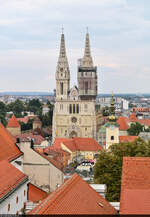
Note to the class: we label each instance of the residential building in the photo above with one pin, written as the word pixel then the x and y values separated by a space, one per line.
pixel 74 197
pixel 86 148
pixel 135 186
pixel 43 171
pixel 13 189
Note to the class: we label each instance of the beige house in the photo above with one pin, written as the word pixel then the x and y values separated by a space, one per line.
pixel 41 170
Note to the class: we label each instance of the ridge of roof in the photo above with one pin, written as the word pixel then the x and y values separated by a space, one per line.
pixel 9 150
pixel 56 202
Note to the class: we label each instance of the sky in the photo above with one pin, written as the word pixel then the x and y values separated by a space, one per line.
pixel 119 36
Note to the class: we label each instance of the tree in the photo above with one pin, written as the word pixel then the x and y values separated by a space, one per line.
pixel 16 107
pixel 108 168
pixel 135 129
pixel 105 111
pixel 27 126
pixel 35 106
pixel 3 113
pixel 47 118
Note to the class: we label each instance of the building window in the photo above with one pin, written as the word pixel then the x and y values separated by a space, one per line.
pixel 8 207
pixel 86 86
pixel 17 213
pixel 24 205
pixel 74 108
pixel 17 199
pixel 24 192
pixel 61 88
pixel 70 108
pixel 112 137
pixel 77 108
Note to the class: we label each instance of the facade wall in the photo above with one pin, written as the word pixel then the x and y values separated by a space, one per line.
pixel 112 132
pixel 40 171
pixel 15 207
pixel 85 125
pixel 14 130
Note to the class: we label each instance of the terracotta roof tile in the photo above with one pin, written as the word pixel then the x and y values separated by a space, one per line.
pixel 8 149
pixel 145 122
pixel 10 178
pixel 127 138
pixel 57 164
pixel 75 196
pixel 135 186
pixel 76 143
pixel 13 122
pixel 35 194
pixel 38 139
pixel 122 121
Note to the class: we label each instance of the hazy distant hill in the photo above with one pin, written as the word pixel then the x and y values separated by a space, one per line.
pixel 27 93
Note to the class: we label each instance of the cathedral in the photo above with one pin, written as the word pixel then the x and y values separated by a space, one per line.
pixel 75 108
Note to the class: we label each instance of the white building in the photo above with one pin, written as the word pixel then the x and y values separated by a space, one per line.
pixel 13 189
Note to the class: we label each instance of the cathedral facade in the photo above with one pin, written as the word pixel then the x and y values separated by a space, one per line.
pixel 74 111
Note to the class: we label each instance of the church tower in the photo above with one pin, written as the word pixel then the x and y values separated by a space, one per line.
pixel 87 74
pixel 62 73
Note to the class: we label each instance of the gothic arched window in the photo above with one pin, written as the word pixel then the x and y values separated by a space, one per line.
pixel 61 88
pixel 70 108
pixel 77 108
pixel 74 109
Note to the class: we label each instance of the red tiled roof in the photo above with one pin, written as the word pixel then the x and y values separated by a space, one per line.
pixel 13 122
pixel 57 150
pixel 133 117
pixel 74 144
pixel 8 149
pixel 24 120
pixel 135 186
pixel 140 109
pixel 35 194
pixel 127 138
pixel 57 164
pixel 38 139
pixel 75 196
pixel 145 122
pixel 122 121
pixel 10 178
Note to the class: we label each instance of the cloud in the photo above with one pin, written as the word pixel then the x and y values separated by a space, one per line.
pixel 30 36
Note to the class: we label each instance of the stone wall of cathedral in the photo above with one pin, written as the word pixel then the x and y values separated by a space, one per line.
pixel 79 121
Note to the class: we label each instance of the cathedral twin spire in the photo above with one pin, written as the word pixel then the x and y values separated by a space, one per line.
pixel 86 60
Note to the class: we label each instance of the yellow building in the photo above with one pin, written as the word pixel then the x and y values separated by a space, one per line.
pixel 86 148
